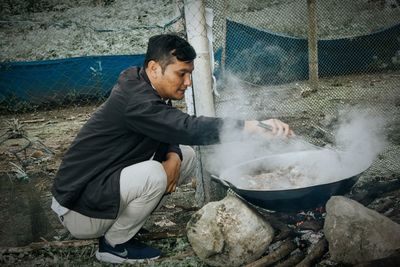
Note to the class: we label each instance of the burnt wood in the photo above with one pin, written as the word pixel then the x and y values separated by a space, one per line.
pixel 284 249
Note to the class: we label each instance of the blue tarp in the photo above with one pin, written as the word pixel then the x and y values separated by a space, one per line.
pixel 37 81
pixel 265 57
pixel 255 55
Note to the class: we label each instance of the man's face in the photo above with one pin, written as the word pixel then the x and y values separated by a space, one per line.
pixel 173 83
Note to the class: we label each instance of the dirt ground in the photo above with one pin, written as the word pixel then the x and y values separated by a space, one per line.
pixel 51 29
pixel 25 200
pixel 32 145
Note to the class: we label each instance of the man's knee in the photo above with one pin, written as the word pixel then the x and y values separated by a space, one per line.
pixel 157 176
pixel 83 227
pixel 144 176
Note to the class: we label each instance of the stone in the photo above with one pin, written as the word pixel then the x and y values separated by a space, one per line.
pixel 229 233
pixel 357 234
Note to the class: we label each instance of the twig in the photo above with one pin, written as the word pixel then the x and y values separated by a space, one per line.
pixel 33 121
pixel 285 249
pixel 284 233
pixel 81 243
pixel 276 223
pixel 294 259
pixel 48 150
pixel 42 245
pixel 20 172
pixel 315 254
pixel 162 235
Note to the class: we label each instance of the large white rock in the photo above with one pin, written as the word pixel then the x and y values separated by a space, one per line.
pixel 357 234
pixel 229 233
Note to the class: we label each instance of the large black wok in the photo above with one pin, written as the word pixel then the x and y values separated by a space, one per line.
pixel 294 199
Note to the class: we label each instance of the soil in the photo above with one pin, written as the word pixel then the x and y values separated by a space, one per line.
pixel 36 142
pixel 25 200
pixel 52 29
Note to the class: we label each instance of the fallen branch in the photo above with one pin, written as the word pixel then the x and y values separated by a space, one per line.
pixel 43 245
pixel 81 243
pixel 284 233
pixel 292 260
pixel 162 235
pixel 277 223
pixel 33 121
pixel 315 254
pixel 285 249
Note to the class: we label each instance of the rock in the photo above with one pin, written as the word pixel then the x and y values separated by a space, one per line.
pixel 228 233
pixel 37 154
pixel 357 234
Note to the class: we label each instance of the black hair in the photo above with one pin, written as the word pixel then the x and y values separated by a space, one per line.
pixel 164 48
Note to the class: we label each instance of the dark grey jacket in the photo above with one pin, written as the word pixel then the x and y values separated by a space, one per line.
pixel 132 125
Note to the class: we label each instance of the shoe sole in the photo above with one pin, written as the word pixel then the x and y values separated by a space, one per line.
pixel 111 258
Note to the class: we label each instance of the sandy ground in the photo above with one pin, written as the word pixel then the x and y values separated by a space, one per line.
pixel 26 203
pixel 59 29
pixel 50 29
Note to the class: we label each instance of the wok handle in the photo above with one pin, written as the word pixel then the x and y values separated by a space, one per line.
pixel 222 181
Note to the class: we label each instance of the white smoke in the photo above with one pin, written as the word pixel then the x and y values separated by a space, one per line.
pixel 361 134
pixel 230 153
pixel 359 138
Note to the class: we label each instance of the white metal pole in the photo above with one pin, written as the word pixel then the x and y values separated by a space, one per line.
pixel 202 84
pixel 312 45
pixel 202 76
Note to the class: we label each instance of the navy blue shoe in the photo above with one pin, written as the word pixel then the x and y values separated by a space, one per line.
pixel 129 252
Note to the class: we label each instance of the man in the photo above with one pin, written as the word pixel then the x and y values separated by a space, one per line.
pixel 131 152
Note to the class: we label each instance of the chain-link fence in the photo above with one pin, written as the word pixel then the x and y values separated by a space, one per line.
pixel 57 53
pixel 264 61
pixel 62 53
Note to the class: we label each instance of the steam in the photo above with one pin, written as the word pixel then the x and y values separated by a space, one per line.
pixel 361 134
pixel 229 152
pixel 359 138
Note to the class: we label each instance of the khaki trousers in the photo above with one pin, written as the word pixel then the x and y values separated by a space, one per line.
pixel 142 187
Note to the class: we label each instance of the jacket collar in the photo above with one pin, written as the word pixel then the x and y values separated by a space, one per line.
pixel 143 73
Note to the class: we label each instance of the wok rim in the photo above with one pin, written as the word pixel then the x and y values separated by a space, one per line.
pixel 357 175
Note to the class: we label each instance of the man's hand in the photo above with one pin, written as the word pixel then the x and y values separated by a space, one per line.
pixel 172 167
pixel 278 128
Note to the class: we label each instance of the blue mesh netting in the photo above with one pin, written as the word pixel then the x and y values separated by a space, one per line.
pixel 264 57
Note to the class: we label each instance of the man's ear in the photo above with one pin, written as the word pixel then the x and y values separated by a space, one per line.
pixel 153 68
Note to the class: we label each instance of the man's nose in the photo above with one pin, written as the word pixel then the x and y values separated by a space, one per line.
pixel 188 80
